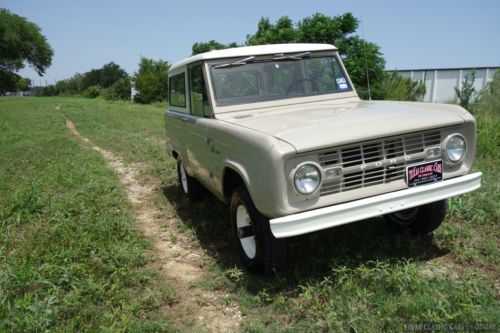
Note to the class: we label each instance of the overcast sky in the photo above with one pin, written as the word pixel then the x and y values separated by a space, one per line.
pixel 411 34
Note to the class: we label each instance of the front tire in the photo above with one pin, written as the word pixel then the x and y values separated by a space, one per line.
pixel 189 185
pixel 259 250
pixel 420 220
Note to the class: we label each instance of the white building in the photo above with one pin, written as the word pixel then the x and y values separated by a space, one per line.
pixel 440 82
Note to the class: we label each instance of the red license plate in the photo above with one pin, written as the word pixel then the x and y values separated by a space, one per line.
pixel 424 173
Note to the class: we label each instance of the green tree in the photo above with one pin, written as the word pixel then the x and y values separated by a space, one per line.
pixel 110 78
pixel 23 84
pixel 151 81
pixel 92 91
pixel 398 88
pixel 104 76
pixel 12 82
pixel 319 28
pixel 267 33
pixel 362 58
pixel 120 90
pixel 467 94
pixel 49 90
pixel 71 86
pixel 210 45
pixel 21 43
pixel 336 30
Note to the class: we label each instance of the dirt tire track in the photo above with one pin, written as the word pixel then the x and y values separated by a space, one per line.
pixel 181 260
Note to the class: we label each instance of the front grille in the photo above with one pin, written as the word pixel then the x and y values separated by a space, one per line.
pixel 374 162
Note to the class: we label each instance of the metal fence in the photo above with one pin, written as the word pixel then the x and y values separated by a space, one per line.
pixel 440 83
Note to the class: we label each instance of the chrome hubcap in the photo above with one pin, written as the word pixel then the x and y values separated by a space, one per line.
pixel 245 231
pixel 183 178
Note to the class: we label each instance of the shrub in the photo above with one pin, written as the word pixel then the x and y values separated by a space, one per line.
pixel 467 94
pixel 120 90
pixel 92 91
pixel 488 119
pixel 50 90
pixel 489 99
pixel 399 88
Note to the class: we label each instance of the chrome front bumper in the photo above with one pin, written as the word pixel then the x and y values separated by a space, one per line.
pixel 332 216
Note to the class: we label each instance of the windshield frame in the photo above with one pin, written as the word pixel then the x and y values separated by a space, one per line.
pixel 280 101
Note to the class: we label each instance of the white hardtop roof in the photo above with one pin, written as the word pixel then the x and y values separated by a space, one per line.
pixel 253 51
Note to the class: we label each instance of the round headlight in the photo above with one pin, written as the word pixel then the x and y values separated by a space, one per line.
pixel 307 179
pixel 455 148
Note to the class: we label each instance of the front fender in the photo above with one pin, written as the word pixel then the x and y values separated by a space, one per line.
pixel 264 180
pixel 238 168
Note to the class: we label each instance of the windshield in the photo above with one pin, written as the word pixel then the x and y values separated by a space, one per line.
pixel 250 81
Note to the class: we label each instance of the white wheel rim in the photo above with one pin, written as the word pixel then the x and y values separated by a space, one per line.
pixel 183 178
pixel 247 243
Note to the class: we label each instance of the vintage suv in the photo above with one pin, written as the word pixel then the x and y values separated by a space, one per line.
pixel 279 133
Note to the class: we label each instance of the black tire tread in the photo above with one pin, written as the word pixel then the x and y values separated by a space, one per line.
pixel 429 217
pixel 272 253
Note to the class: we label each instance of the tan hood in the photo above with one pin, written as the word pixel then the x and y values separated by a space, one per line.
pixel 324 124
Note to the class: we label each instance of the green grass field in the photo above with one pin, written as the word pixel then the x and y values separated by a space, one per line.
pixel 72 259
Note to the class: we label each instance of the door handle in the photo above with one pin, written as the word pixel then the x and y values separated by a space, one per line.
pixel 208 140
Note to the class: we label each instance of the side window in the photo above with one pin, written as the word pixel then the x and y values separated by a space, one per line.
pixel 198 92
pixel 177 90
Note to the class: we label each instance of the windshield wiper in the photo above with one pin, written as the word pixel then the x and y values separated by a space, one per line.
pixel 236 63
pixel 297 56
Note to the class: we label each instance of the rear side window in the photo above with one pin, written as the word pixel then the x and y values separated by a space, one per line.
pixel 198 92
pixel 177 90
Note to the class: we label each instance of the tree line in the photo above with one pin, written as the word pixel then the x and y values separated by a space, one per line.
pixel 112 82
pixel 363 60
